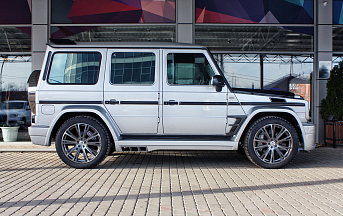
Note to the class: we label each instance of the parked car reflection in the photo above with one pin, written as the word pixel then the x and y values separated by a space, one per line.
pixel 17 112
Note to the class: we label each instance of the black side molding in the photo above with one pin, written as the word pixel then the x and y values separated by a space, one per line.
pixel 203 103
pixel 70 102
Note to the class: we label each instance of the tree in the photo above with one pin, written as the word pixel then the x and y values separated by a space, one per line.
pixel 332 105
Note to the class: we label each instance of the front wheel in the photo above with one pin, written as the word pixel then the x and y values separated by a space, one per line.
pixel 271 142
pixel 82 142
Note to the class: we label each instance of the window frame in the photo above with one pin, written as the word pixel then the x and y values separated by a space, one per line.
pixel 77 84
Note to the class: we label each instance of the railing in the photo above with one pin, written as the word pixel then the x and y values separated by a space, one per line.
pixel 333 133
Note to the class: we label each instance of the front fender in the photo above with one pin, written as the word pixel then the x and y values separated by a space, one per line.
pixel 270 112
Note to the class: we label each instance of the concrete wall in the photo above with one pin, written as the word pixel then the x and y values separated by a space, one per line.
pixel 323 52
pixel 40 25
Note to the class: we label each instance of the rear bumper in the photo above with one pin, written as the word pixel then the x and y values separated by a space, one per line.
pixel 309 136
pixel 38 135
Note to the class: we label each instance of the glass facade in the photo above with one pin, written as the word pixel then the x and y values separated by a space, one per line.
pixel 154 33
pixel 255 38
pixel 337 38
pixel 15 64
pixel 15 39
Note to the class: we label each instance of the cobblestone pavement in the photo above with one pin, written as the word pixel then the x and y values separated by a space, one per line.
pixel 171 183
pixel 24 146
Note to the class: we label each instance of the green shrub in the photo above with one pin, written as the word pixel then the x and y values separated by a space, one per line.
pixel 332 105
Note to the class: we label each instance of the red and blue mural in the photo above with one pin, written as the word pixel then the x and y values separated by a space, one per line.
pixel 255 11
pixel 15 12
pixel 113 11
pixel 337 12
pixel 107 11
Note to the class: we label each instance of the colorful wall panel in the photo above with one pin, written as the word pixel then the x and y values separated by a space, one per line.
pixel 255 11
pixel 337 12
pixel 15 12
pixel 113 11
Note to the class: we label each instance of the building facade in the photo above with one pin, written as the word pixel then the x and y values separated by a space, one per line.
pixel 287 45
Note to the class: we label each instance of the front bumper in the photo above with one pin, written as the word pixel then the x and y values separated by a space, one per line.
pixel 309 136
pixel 38 135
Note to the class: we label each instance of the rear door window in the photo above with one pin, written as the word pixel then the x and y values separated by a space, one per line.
pixel 133 68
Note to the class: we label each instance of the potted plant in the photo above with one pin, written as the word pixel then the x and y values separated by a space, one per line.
pixel 9 129
pixel 332 107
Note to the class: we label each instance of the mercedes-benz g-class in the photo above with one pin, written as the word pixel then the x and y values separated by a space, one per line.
pixel 92 99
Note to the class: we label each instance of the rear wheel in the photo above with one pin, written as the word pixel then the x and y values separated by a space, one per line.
pixel 82 142
pixel 271 142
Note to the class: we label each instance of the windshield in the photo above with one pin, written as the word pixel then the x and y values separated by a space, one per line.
pixel 12 105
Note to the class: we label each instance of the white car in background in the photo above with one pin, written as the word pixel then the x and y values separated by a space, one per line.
pixel 17 112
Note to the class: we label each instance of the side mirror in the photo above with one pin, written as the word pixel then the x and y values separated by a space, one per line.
pixel 218 81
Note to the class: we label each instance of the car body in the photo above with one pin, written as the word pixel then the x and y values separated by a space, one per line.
pixel 96 98
pixel 17 112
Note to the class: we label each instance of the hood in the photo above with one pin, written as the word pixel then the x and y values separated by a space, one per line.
pixel 267 92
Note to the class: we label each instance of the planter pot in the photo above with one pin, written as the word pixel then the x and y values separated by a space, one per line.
pixel 334 132
pixel 9 134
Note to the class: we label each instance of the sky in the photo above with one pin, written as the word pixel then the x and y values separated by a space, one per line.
pixel 15 72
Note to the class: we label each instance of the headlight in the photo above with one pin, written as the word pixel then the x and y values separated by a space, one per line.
pixel 307 110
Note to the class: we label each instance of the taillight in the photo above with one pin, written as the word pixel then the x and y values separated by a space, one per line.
pixel 32 85
pixel 32 99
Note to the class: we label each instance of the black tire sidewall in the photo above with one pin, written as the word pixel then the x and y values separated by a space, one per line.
pixel 104 142
pixel 249 148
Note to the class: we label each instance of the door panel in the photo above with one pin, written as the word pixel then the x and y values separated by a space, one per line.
pixel 131 90
pixel 190 104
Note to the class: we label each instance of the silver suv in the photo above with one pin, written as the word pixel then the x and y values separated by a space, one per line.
pixel 96 98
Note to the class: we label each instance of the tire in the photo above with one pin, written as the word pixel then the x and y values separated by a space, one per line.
pixel 82 142
pixel 240 150
pixel 271 142
pixel 112 148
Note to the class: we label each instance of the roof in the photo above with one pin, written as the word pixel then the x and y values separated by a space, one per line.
pixel 127 45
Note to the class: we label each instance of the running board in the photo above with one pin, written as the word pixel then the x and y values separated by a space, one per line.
pixel 155 145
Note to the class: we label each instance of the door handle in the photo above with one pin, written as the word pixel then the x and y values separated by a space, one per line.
pixel 113 102
pixel 171 102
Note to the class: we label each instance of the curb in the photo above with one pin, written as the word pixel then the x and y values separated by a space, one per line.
pixel 27 150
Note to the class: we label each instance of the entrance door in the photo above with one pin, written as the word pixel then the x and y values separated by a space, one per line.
pixel 131 89
pixel 191 105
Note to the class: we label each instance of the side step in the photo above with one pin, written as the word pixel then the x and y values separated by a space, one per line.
pixel 165 145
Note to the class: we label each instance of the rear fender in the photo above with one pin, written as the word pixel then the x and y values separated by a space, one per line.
pixel 83 110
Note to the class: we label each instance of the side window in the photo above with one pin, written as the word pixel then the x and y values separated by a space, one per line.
pixel 188 69
pixel 75 68
pixel 133 68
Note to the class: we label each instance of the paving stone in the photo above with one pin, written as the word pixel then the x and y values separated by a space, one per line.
pixel 171 183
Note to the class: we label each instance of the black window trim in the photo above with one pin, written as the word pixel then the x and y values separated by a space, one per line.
pixel 76 84
pixel 47 66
